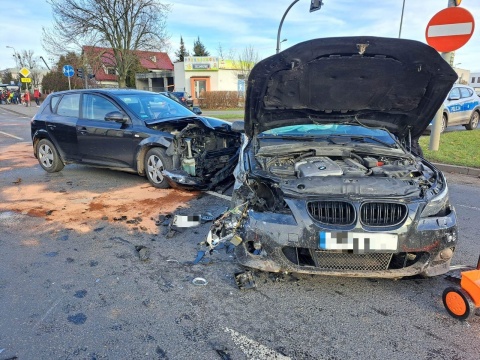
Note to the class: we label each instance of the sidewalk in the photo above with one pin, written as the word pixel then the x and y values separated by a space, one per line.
pixel 31 110
pixel 21 110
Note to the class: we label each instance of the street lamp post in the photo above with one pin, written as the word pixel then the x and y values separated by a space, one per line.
pixel 314 6
pixel 281 23
pixel 281 43
pixel 401 21
pixel 17 57
pixel 18 60
pixel 48 67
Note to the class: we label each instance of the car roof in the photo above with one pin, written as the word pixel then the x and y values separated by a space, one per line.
pixel 112 91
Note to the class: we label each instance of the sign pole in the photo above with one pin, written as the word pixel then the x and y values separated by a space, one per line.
pixel 447 31
pixel 68 72
pixel 437 123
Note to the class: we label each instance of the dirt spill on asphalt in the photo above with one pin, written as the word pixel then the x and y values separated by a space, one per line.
pixel 81 210
pixel 70 204
pixel 17 155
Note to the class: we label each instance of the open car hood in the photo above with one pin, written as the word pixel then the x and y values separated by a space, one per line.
pixel 397 84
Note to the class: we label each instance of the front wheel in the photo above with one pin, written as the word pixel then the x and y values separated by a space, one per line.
pixel 444 123
pixel 472 125
pixel 155 161
pixel 48 156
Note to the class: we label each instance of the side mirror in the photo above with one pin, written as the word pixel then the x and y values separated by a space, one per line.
pixel 197 110
pixel 238 126
pixel 454 97
pixel 116 116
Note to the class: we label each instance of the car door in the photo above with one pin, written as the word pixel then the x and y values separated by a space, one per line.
pixel 469 102
pixel 61 124
pixel 102 142
pixel 454 106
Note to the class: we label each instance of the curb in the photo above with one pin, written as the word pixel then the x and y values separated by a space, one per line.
pixel 458 169
pixel 17 112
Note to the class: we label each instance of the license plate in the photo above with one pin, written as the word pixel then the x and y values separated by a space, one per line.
pixel 360 243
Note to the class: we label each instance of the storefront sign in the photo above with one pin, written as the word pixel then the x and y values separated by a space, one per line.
pixel 201 63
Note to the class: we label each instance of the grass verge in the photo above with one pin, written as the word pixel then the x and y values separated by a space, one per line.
pixel 228 116
pixel 460 148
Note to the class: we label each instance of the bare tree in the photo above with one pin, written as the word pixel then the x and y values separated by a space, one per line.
pixel 123 25
pixel 229 55
pixel 246 61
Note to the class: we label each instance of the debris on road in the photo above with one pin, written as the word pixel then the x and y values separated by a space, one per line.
pixel 245 280
pixel 199 281
pixel 224 355
pixel 143 252
pixel 200 255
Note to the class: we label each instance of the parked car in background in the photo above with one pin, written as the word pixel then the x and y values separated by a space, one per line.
pixel 461 107
pixel 171 95
pixel 327 180
pixel 135 131
pixel 184 97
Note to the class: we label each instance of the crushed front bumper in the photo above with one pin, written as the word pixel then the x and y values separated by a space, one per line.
pixel 292 242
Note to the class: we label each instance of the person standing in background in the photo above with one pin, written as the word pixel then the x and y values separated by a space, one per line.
pixel 36 96
pixel 26 98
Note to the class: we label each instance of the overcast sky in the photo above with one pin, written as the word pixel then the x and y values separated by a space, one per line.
pixel 234 25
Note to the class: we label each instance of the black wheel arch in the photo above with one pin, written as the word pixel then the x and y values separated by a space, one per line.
pixel 43 134
pixel 144 147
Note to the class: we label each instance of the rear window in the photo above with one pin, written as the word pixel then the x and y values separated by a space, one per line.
pixel 53 102
pixel 69 105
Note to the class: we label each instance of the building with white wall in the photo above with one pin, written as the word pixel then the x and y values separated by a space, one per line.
pixel 208 73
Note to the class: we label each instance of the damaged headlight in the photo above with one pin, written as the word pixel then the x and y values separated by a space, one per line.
pixel 438 204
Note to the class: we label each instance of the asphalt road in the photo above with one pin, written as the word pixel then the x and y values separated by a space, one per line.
pixel 77 287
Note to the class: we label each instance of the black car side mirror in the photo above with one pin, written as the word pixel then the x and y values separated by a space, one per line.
pixel 116 116
pixel 238 126
pixel 197 110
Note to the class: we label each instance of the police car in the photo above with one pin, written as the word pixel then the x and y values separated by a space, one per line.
pixel 461 107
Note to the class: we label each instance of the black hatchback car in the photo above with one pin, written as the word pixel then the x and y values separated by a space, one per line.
pixel 134 131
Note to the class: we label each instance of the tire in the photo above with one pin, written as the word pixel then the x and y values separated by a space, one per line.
pixel 444 123
pixel 472 125
pixel 155 161
pixel 48 156
pixel 458 303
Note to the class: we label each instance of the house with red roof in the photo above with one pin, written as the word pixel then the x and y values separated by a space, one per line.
pixel 156 74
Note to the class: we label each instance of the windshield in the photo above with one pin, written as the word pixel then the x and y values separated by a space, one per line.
pixel 154 106
pixel 334 132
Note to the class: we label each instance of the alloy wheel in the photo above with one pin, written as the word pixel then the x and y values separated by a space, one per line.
pixel 46 155
pixel 154 169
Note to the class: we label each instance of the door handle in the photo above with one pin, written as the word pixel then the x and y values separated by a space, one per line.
pixel 83 130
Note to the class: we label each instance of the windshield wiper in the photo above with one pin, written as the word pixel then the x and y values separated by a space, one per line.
pixel 363 137
pixel 296 137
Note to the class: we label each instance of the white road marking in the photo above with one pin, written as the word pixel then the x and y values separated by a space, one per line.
pixel 469 207
pixel 221 196
pixel 10 135
pixel 450 29
pixel 253 349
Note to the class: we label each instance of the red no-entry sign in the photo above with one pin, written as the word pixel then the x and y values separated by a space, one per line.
pixel 450 29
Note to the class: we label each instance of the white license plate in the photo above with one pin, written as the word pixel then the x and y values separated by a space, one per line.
pixel 360 243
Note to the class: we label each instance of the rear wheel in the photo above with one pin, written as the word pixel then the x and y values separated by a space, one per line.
pixel 48 156
pixel 472 125
pixel 155 162
pixel 458 303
